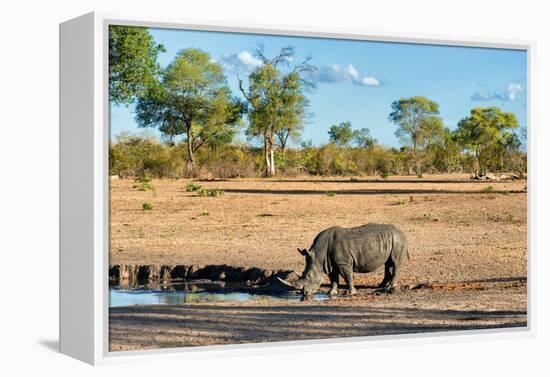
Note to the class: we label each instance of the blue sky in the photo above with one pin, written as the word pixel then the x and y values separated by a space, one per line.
pixel 358 80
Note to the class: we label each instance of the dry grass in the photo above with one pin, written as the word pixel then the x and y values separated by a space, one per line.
pixel 468 255
pixel 261 222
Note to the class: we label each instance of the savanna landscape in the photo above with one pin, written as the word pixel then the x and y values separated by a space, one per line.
pixel 229 187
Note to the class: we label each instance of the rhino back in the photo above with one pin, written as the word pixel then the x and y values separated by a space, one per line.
pixel 365 248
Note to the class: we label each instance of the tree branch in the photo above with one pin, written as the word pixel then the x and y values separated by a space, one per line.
pixel 241 88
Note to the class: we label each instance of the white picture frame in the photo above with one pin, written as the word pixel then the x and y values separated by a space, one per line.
pixel 84 188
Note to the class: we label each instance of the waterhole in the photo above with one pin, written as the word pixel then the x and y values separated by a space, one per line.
pixel 196 292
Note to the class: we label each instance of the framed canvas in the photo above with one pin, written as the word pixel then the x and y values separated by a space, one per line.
pixel 231 187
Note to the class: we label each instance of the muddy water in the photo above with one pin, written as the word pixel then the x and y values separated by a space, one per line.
pixel 197 292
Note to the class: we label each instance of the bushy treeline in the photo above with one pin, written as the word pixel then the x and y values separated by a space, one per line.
pixel 189 100
pixel 135 156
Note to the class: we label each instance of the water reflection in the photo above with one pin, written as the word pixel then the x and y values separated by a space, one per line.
pixel 195 292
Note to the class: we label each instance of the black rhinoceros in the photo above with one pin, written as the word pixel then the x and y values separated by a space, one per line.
pixel 341 251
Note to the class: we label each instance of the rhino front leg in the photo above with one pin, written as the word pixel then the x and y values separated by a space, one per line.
pixel 347 273
pixel 334 277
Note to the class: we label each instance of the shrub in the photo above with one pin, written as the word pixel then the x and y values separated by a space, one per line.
pixel 191 187
pixel 143 179
pixel 287 162
pixel 144 186
pixel 430 217
pixel 135 155
pixel 231 161
pixel 400 202
pixel 509 217
pixel 146 157
pixel 146 206
pixel 488 189
pixel 209 192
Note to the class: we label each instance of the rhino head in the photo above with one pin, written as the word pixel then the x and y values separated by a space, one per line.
pixel 312 277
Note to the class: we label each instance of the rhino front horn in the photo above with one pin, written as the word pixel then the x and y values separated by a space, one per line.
pixel 287 283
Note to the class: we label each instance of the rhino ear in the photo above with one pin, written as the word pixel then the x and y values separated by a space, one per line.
pixel 303 252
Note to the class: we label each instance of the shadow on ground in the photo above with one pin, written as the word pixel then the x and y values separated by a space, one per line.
pixel 364 191
pixel 176 326
pixel 412 180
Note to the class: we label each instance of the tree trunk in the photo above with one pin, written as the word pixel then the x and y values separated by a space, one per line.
pixel 272 173
pixel 269 157
pixel 477 168
pixel 266 158
pixel 284 141
pixel 191 157
pixel 417 167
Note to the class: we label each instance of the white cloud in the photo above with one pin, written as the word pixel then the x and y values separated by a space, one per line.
pixel 247 58
pixel 335 73
pixel 369 80
pixel 243 61
pixel 509 94
pixel 350 69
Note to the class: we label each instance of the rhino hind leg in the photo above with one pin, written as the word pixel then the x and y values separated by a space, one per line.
pixel 395 275
pixel 395 262
pixel 388 274
pixel 347 273
pixel 395 272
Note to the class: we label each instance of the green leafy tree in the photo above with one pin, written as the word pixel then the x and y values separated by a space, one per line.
pixel 418 122
pixel 362 138
pixel 340 134
pixel 293 115
pixel 133 63
pixel 433 132
pixel 415 116
pixel 511 141
pixel 441 152
pixel 485 131
pixel 193 100
pixel 512 145
pixel 275 99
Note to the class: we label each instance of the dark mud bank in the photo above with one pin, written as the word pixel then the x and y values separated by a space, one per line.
pixel 152 274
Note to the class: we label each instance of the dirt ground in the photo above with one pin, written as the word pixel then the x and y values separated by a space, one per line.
pixel 497 305
pixel 468 244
